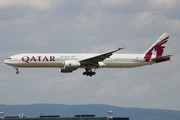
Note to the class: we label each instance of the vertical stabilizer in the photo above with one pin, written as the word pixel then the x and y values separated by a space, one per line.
pixel 157 48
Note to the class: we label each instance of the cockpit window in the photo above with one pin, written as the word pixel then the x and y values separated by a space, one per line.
pixel 8 58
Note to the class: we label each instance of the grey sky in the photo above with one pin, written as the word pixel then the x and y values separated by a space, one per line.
pixel 88 26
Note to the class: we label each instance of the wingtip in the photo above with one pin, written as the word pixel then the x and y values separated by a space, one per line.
pixel 120 48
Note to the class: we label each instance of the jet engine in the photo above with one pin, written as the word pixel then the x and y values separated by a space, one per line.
pixel 70 65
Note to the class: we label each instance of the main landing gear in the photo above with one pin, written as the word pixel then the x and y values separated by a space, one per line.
pixel 89 72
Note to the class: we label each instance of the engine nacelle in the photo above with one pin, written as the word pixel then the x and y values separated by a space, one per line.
pixel 70 65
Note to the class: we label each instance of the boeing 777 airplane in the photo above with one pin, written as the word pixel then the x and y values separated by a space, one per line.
pixel 70 62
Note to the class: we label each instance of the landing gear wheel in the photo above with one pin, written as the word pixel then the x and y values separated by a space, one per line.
pixel 89 72
pixel 17 72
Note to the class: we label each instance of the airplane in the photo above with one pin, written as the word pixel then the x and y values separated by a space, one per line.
pixel 70 62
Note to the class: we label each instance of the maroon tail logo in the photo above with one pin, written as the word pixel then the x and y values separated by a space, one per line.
pixel 158 48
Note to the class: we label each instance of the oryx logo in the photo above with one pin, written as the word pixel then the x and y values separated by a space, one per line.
pixel 158 48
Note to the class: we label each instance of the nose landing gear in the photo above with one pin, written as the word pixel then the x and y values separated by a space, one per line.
pixel 17 71
pixel 89 72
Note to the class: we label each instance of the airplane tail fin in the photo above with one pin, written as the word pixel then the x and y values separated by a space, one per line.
pixel 157 49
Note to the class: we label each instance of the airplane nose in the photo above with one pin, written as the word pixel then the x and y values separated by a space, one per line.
pixel 6 61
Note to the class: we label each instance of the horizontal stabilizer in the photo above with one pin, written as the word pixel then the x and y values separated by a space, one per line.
pixel 162 58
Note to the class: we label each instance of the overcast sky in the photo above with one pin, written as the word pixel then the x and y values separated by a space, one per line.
pixel 90 26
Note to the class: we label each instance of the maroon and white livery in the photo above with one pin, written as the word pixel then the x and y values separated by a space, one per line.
pixel 70 62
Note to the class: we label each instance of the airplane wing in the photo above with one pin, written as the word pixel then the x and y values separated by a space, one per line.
pixel 95 59
pixel 162 58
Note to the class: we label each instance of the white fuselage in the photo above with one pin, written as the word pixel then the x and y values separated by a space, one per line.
pixel 55 60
